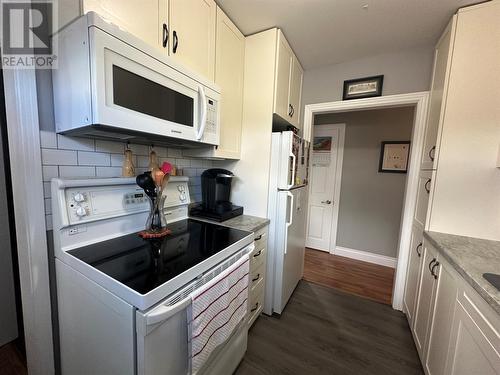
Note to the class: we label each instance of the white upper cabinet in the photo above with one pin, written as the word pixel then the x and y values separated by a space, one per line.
pixel 192 34
pixel 288 83
pixel 439 85
pixel 143 18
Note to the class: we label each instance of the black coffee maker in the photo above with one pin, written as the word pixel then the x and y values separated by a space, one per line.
pixel 215 195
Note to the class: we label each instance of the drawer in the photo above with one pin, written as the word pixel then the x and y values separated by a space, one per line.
pixel 260 238
pixel 255 303
pixel 255 278
pixel 257 258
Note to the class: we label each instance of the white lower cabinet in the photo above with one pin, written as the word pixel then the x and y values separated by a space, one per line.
pixel 257 276
pixel 455 331
pixel 413 272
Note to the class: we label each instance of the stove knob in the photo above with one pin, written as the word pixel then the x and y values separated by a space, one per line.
pixel 79 197
pixel 81 212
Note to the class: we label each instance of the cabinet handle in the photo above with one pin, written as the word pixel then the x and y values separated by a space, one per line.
pixel 255 308
pixel 176 42
pixel 256 277
pixel 430 266
pixel 258 238
pixel 165 35
pixel 290 110
pixel 432 153
pixel 427 186
pixel 293 110
pixel 432 270
pixel 257 254
pixel 419 246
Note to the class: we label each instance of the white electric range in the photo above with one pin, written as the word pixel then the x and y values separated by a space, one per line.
pixel 122 300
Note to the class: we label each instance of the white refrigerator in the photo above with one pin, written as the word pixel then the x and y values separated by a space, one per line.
pixel 288 194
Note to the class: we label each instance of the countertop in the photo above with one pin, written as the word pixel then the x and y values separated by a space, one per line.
pixel 471 257
pixel 246 222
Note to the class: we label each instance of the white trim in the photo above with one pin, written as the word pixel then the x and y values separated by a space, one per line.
pixel 420 101
pixel 338 184
pixel 365 256
pixel 26 170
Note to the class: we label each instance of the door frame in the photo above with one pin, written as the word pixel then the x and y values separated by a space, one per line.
pixel 21 107
pixel 336 192
pixel 420 101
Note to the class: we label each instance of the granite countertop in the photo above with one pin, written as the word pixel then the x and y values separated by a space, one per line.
pixel 471 257
pixel 246 222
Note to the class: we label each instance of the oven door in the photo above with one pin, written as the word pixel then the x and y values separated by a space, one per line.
pixel 163 346
pixel 133 91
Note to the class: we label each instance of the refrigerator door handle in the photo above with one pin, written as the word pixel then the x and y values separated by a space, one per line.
pixel 294 162
pixel 290 220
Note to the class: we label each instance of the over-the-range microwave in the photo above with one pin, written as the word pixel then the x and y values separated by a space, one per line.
pixel 110 84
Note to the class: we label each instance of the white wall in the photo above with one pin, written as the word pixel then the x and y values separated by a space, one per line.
pixel 404 72
pixel 371 202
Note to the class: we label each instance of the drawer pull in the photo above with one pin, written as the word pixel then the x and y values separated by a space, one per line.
pixel 255 308
pixel 418 249
pixel 256 277
pixel 430 265
pixel 432 153
pixel 427 186
pixel 258 238
pixel 432 270
pixel 257 254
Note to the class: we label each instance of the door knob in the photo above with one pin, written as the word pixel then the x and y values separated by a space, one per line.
pixel 327 202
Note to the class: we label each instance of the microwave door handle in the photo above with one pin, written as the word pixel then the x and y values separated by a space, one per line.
pixel 203 117
pixel 163 313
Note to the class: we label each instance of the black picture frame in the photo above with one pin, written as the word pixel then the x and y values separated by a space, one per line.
pixel 381 168
pixel 378 80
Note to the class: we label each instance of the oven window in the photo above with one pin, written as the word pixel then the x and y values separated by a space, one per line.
pixel 142 95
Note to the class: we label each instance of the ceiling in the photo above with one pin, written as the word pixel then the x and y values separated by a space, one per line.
pixel 324 32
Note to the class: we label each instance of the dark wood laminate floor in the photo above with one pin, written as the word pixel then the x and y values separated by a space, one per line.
pixel 11 361
pixel 325 331
pixel 363 279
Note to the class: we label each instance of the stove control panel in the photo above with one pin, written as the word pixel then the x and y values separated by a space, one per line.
pixel 87 204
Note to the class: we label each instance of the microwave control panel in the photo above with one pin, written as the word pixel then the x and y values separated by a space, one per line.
pixel 211 126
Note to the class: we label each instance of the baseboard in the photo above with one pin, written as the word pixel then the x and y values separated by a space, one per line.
pixel 365 256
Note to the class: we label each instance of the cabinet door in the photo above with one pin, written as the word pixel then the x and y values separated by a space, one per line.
pixel 192 34
pixel 295 91
pixel 283 73
pixel 424 299
pixel 229 70
pixel 424 189
pixel 441 320
pixel 414 264
pixel 144 19
pixel 473 345
pixel 442 62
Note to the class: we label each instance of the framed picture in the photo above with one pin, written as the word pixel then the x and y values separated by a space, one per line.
pixel 394 157
pixel 322 144
pixel 363 87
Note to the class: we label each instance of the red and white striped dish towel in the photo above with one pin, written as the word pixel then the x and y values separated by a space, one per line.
pixel 217 308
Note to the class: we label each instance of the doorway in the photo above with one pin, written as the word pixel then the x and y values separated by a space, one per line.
pixel 419 102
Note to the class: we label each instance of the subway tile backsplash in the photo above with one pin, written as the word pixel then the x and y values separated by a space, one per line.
pixel 75 157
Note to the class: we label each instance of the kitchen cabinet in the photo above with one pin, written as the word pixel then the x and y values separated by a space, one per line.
pixel 474 341
pixel 424 298
pixel 438 91
pixel 424 189
pixel 257 276
pixel 413 272
pixel 192 34
pixel 288 82
pixel 144 19
pixel 181 29
pixel 440 319
pixel 229 75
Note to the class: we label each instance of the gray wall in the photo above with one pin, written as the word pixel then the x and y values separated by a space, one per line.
pixel 404 71
pixel 371 203
pixel 8 319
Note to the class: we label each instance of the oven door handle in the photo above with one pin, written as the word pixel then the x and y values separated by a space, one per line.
pixel 163 312
pixel 203 116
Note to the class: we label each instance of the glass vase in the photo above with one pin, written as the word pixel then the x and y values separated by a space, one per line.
pixel 156 221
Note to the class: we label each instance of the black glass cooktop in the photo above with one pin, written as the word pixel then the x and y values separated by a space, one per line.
pixel 143 265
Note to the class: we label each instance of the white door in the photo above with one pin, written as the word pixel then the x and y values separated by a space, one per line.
pixel 324 191
pixel 290 244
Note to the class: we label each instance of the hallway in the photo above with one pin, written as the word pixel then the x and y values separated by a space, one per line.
pixel 352 276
